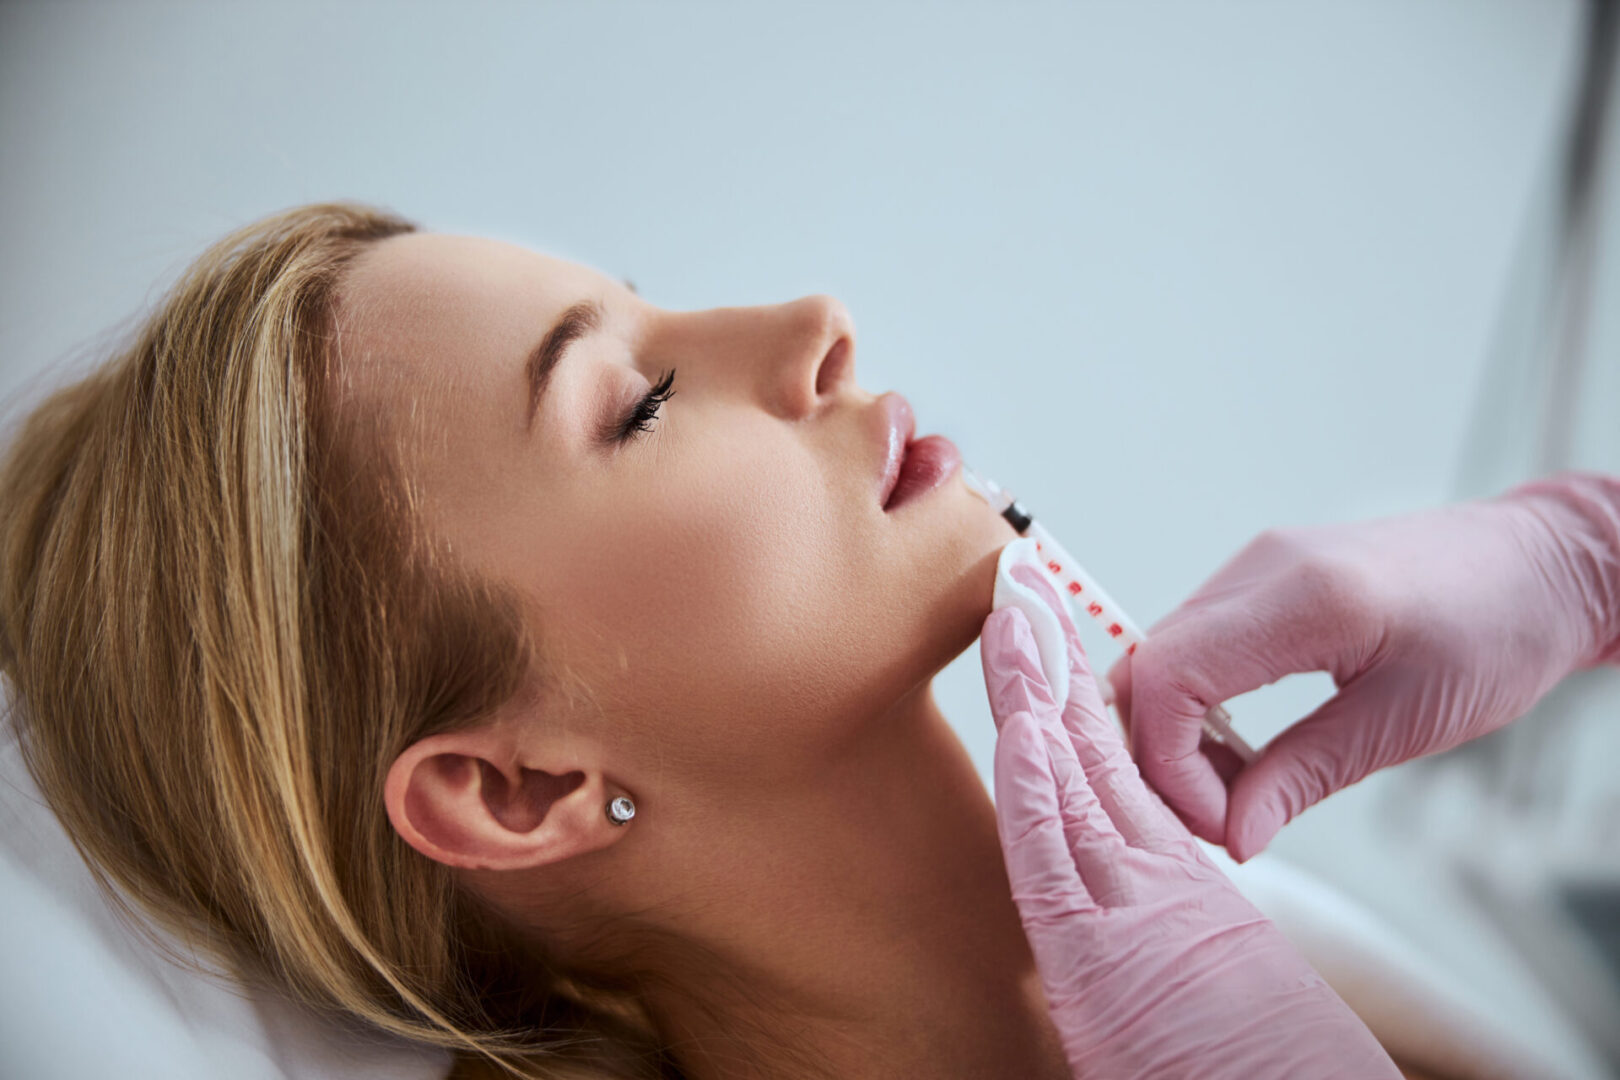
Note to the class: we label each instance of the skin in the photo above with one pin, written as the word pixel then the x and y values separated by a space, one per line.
pixel 750 641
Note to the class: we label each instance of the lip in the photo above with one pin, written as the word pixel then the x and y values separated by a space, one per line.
pixel 911 467
pixel 899 424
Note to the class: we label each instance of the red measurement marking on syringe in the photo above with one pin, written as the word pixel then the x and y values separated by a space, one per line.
pixel 1074 588
pixel 1132 650
pixel 1054 566
pixel 1094 609
pixel 1114 629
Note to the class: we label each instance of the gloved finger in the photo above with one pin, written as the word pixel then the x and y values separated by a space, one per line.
pixel 1224 641
pixel 1119 682
pixel 1017 685
pixel 1046 884
pixel 1135 812
pixel 1013 678
pixel 1167 720
pixel 1098 846
pixel 1033 577
pixel 1328 750
pixel 1227 765
pixel 1223 759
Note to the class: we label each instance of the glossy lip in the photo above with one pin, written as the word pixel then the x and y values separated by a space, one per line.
pixel 900 424
pixel 936 458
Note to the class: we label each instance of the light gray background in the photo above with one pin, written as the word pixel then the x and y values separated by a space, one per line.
pixel 1173 272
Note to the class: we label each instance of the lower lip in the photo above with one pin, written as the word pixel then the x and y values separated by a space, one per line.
pixel 928 463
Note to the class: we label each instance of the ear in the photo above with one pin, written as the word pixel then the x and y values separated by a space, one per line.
pixel 473 799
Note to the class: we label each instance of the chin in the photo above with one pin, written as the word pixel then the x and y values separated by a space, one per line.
pixel 958 588
pixel 981 549
pixel 957 618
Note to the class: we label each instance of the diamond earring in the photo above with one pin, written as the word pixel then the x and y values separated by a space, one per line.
pixel 621 810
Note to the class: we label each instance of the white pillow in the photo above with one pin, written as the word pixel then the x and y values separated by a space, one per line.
pixel 83 996
pixel 1425 1017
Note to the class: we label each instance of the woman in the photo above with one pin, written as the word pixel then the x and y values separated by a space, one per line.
pixel 332 659
pixel 453 640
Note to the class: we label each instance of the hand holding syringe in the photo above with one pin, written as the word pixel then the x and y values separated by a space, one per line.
pixel 1073 581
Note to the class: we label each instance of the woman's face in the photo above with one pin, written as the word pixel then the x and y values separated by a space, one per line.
pixel 727 586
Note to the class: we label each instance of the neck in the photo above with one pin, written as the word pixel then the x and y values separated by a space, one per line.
pixel 868 930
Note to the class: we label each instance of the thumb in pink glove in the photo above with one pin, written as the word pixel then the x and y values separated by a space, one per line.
pixel 1437 627
pixel 1153 964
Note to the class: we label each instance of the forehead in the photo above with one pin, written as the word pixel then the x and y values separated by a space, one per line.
pixel 455 301
pixel 433 330
pixel 428 262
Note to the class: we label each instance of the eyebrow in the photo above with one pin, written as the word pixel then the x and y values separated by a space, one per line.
pixel 571 325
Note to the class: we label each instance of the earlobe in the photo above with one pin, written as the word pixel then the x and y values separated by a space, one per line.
pixel 464 800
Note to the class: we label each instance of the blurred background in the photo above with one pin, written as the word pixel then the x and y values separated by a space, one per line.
pixel 1173 272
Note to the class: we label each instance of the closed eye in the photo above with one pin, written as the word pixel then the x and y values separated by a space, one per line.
pixel 640 418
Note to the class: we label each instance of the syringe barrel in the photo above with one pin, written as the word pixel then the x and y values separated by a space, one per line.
pixel 1079 586
pixel 1072 579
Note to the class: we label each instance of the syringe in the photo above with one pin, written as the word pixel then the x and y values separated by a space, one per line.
pixel 1074 582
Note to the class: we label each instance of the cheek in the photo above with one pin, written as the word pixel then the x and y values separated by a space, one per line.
pixel 726 594
pixel 749 609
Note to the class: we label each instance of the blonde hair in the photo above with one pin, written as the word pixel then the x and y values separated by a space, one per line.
pixel 221 623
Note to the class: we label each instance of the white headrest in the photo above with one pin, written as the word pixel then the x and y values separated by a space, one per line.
pixel 84 996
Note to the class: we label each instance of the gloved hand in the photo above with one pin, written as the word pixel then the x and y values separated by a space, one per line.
pixel 1437 627
pixel 1154 965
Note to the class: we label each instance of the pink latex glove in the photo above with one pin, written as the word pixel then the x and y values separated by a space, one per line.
pixel 1154 965
pixel 1437 627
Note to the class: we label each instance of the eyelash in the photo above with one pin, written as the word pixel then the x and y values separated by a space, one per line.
pixel 646 409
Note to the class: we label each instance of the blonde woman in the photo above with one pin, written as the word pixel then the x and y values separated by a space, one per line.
pixel 375 621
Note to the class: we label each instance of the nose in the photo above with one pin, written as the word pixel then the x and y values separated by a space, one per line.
pixel 792 359
pixel 818 336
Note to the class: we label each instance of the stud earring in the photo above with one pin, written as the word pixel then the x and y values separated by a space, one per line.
pixel 621 810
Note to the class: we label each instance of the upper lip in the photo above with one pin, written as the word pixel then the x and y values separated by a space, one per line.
pixel 899 424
